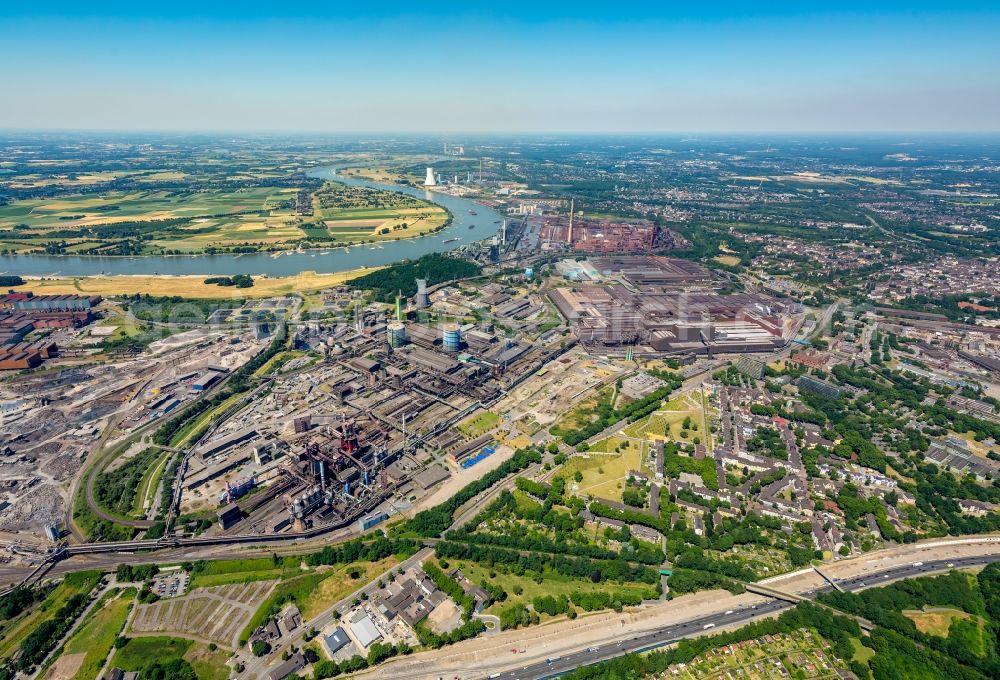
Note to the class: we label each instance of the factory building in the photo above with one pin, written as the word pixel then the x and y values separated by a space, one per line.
pixel 230 515
pixel 614 315
pixel 30 301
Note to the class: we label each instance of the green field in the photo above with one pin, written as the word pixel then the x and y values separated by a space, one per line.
pixel 15 631
pixel 221 572
pixel 603 475
pixel 297 589
pixel 140 652
pixel 96 636
pixel 88 209
pixel 339 583
pixel 552 584
pixel 479 424
pixel 149 483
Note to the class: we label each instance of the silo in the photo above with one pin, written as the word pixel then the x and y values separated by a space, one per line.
pixel 396 333
pixel 451 337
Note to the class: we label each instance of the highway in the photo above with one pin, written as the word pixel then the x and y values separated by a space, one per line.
pixel 732 618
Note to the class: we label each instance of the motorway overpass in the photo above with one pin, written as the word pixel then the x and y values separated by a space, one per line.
pixel 706 625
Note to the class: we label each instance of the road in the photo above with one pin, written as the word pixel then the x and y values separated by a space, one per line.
pixel 736 618
pixel 684 616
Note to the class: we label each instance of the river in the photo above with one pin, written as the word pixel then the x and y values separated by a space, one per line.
pixel 324 261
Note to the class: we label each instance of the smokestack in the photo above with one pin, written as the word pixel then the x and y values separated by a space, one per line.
pixel 569 238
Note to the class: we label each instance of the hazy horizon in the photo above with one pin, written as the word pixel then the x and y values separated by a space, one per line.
pixel 585 68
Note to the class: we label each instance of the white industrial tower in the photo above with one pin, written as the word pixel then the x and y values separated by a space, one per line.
pixel 430 181
pixel 569 235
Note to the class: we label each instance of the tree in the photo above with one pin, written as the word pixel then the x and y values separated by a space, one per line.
pixel 260 648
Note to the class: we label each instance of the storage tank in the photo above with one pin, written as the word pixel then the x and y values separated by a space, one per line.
pixel 396 332
pixel 451 337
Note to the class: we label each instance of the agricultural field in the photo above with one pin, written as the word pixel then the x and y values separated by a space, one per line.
pixel 351 214
pixel 153 222
pixel 214 614
pixel 187 286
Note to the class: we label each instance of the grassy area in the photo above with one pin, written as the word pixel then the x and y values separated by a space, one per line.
pixel 15 631
pixel 222 572
pixel 277 361
pixel 603 476
pixel 607 445
pixel 861 653
pixel 340 583
pixel 478 424
pixel 187 286
pixel 584 412
pixel 140 652
pixel 728 260
pixel 147 486
pixel 90 524
pixel 193 429
pixel 208 665
pixel 934 621
pixel 96 637
pixel 669 423
pixel 552 584
pixel 947 622
pixel 297 589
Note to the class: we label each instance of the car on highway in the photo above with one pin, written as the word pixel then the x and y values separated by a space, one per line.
pixel 707 626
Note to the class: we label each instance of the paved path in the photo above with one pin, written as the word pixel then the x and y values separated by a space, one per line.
pixel 96 597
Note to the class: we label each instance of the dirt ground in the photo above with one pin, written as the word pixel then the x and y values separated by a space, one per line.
pixel 461 478
pixel 65 667
pixel 445 617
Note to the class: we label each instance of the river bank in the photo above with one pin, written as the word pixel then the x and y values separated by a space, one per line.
pixel 190 286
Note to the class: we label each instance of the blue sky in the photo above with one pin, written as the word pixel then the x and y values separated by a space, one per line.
pixel 519 67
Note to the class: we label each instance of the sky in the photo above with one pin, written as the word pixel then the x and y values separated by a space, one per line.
pixel 441 66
